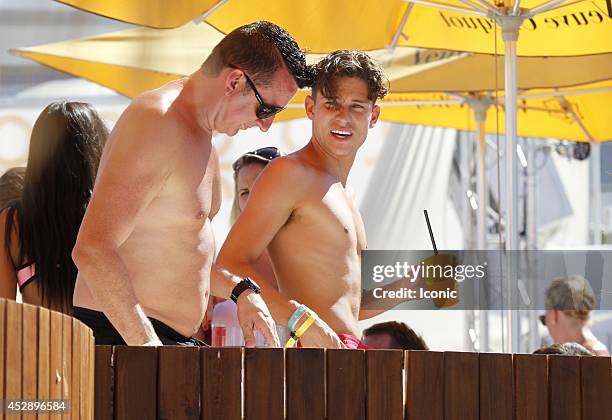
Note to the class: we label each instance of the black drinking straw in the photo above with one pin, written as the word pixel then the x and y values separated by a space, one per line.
pixel 433 241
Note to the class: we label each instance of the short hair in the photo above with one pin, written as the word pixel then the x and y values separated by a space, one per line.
pixel 571 294
pixel 344 63
pixel 402 336
pixel 259 48
pixel 567 349
pixel 11 185
pixel 248 160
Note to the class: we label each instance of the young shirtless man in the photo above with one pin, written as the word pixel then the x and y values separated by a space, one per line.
pixel 145 248
pixel 301 210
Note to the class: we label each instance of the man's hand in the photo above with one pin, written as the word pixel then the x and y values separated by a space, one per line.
pixel 321 335
pixel 253 314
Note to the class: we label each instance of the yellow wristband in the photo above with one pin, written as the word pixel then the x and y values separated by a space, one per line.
pixel 300 331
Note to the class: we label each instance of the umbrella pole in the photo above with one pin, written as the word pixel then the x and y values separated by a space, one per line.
pixel 510 31
pixel 480 107
pixel 595 193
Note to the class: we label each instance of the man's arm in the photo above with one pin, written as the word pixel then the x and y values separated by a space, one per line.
pixel 277 192
pixel 132 172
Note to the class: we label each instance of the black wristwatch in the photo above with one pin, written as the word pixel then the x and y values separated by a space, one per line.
pixel 245 284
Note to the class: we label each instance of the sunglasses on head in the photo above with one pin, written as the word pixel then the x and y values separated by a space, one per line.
pixel 264 110
pixel 265 154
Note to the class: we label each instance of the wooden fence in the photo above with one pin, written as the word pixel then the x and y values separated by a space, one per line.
pixel 233 383
pixel 45 355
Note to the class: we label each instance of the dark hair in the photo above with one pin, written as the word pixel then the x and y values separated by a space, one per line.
pixel 260 48
pixel 65 149
pixel 11 185
pixel 567 349
pixel 403 337
pixel 344 63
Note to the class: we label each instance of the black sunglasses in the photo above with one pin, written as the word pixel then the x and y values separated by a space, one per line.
pixel 264 110
pixel 265 154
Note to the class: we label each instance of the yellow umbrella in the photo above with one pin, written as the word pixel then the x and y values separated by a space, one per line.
pixel 569 28
pixel 152 13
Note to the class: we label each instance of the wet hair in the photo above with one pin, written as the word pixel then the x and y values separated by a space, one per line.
pixel 573 295
pixel 567 349
pixel 402 336
pixel 260 49
pixel 344 63
pixel 65 149
pixel 11 185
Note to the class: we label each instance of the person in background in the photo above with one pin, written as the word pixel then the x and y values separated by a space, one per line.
pixel 567 349
pixel 11 185
pixel 246 170
pixel 569 301
pixel 39 229
pixel 393 335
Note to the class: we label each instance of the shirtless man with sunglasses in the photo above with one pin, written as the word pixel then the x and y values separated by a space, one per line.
pixel 301 210
pixel 145 248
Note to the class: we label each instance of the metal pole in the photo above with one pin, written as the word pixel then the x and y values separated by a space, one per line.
pixel 480 114
pixel 532 240
pixel 595 193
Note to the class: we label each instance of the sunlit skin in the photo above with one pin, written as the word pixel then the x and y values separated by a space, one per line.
pixel 147 231
pixel 301 210
pixel 566 329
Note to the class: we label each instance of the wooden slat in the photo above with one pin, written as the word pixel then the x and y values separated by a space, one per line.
pixel 92 370
pixel 460 386
pixel 564 376
pixel 75 403
pixel 178 384
pixel 29 355
pixel 596 373
pixel 55 356
pixel 531 386
pixel 496 387
pixel 424 385
pixel 135 383
pixel 66 362
pixel 2 345
pixel 263 384
pixel 221 394
pixel 305 373
pixel 103 402
pixel 13 353
pixel 384 385
pixel 44 356
pixel 345 384
pixel 85 361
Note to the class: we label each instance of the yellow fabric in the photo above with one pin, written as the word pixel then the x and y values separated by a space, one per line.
pixel 322 26
pixel 137 60
pixel 152 13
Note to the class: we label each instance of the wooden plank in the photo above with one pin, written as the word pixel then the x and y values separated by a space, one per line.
pixel 596 376
pixel 178 384
pixel 531 386
pixel 104 383
pixel 29 356
pixel 460 386
pixel 75 403
pixel 345 384
pixel 221 383
pixel 84 374
pixel 384 394
pixel 13 385
pixel 92 369
pixel 135 383
pixel 55 357
pixel 44 356
pixel 264 384
pixel 564 377
pixel 496 387
pixel 66 362
pixel 2 346
pixel 305 376
pixel 424 385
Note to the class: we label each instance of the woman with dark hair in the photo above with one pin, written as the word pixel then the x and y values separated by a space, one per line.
pixel 40 229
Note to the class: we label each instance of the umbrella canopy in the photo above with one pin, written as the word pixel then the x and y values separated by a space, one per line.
pixel 569 28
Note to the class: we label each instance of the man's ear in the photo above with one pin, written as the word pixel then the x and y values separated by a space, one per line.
pixel 232 81
pixel 309 106
pixel 555 315
pixel 375 115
